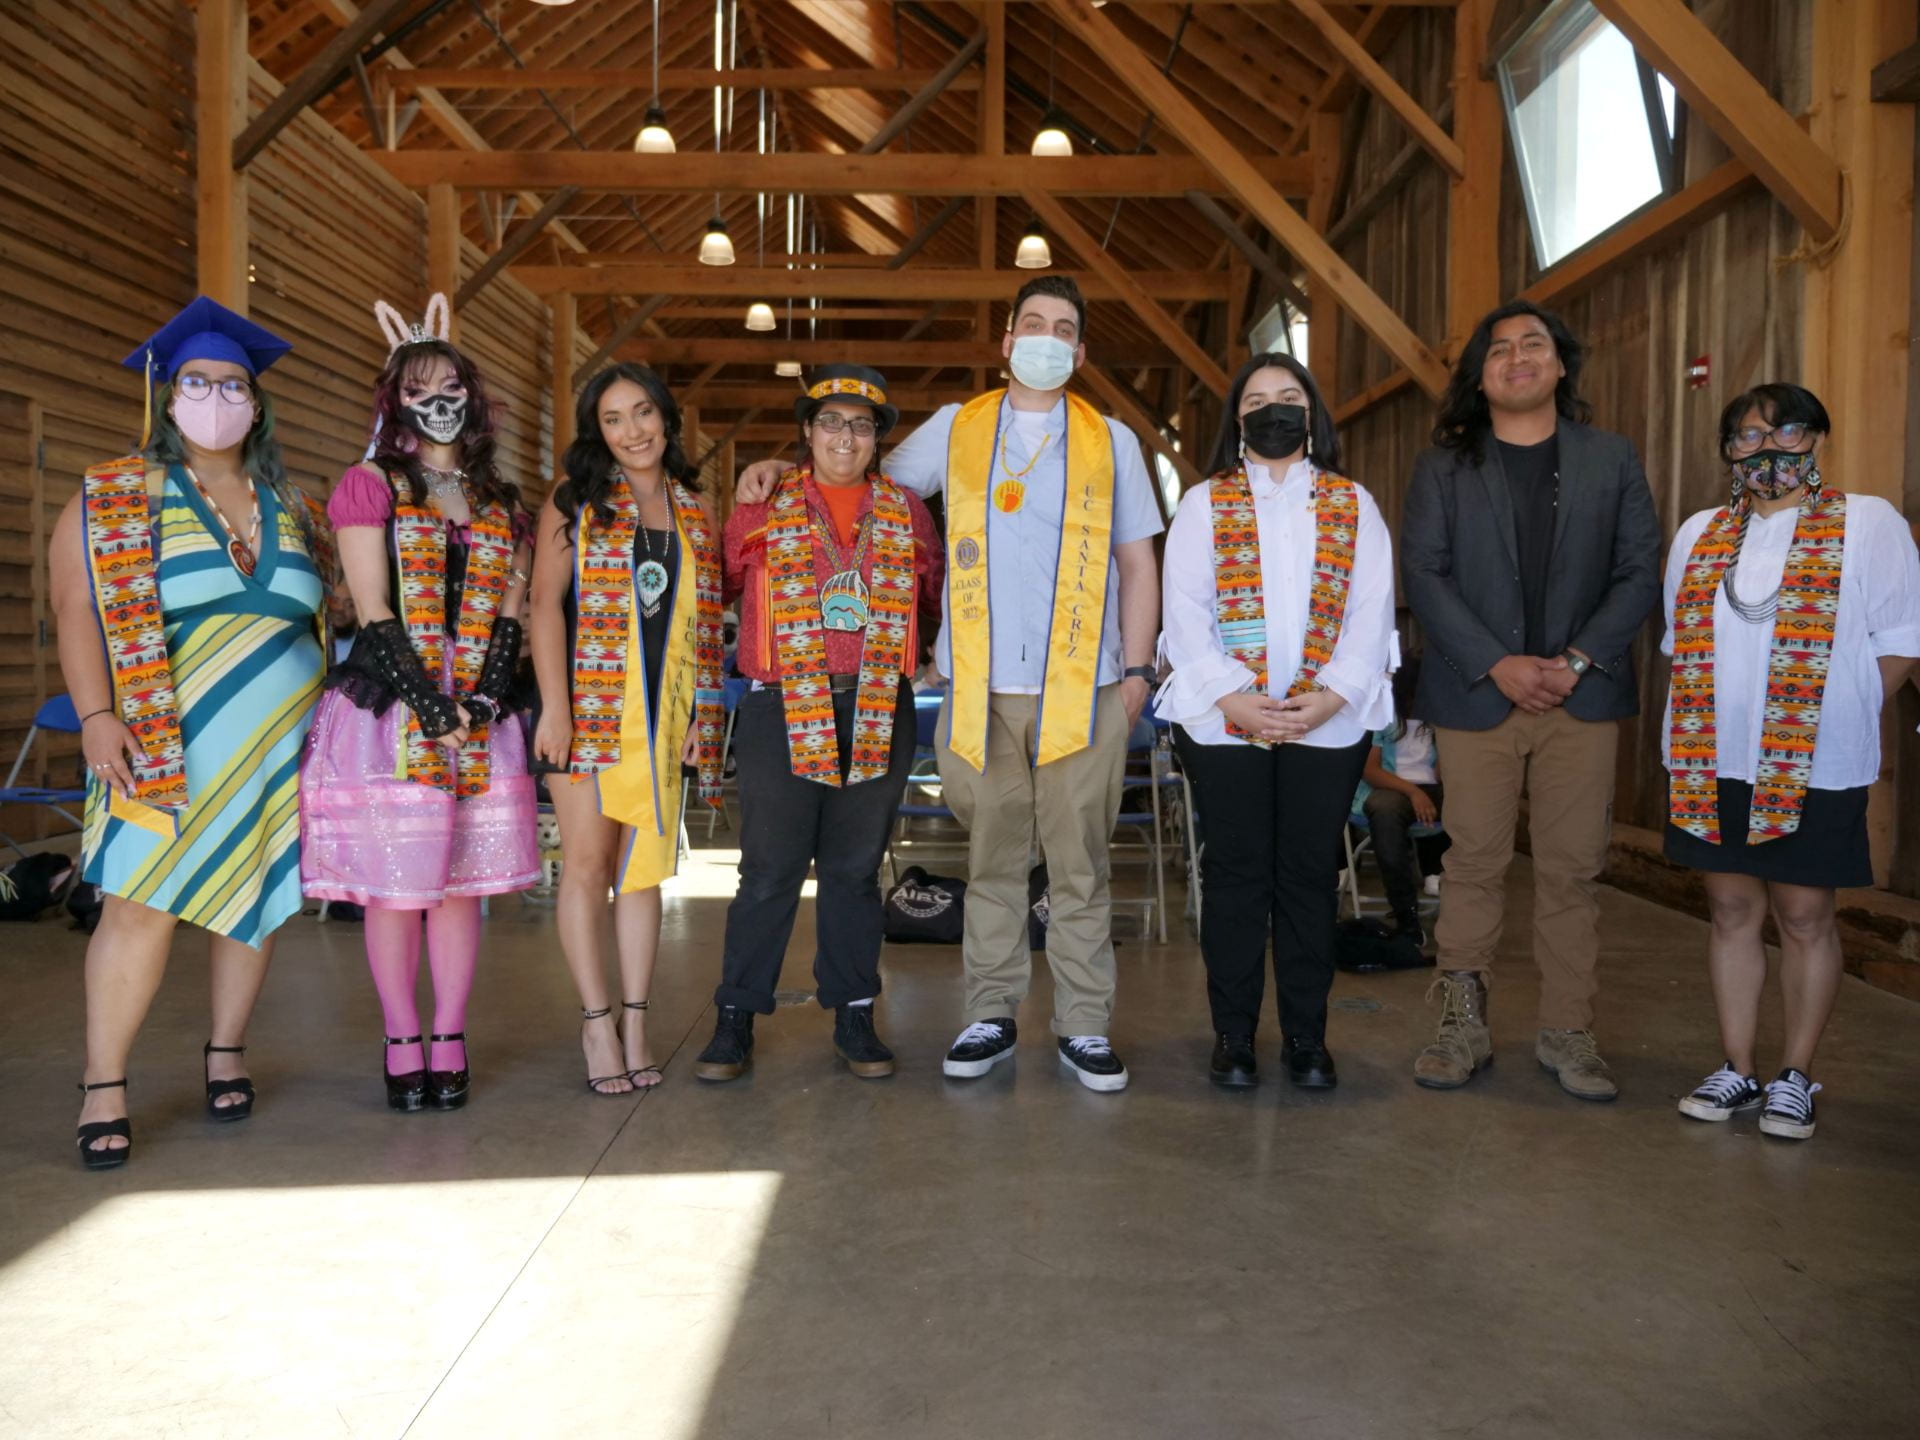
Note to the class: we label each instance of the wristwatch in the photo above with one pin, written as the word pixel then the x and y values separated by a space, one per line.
pixel 1140 672
pixel 1576 662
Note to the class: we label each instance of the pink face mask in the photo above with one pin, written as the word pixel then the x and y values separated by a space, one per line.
pixel 211 422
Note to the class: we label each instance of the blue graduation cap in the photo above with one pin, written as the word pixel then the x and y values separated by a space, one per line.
pixel 207 330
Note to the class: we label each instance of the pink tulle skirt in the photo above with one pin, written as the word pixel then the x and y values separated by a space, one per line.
pixel 368 838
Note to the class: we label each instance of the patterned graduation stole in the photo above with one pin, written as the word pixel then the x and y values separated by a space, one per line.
pixel 603 604
pixel 1797 661
pixel 709 645
pixel 420 545
pixel 800 639
pixel 1240 605
pixel 119 504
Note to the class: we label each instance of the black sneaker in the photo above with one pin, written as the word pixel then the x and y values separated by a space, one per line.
pixel 855 1042
pixel 730 1052
pixel 1233 1066
pixel 1093 1063
pixel 1789 1112
pixel 980 1047
pixel 1722 1094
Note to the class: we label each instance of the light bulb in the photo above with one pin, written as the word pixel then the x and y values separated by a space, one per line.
pixel 1052 138
pixel 654 137
pixel 1033 252
pixel 716 247
pixel 760 316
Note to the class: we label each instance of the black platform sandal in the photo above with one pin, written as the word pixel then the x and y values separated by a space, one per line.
pixel 634 1075
pixel 111 1157
pixel 216 1088
pixel 449 1087
pixel 594 1082
pixel 406 1092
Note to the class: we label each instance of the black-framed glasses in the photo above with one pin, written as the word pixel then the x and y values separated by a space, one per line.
pixel 198 387
pixel 1750 438
pixel 833 424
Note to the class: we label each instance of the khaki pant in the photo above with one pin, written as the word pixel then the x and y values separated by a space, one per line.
pixel 1072 803
pixel 1565 766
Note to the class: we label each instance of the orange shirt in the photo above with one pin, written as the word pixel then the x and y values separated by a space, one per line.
pixel 843 506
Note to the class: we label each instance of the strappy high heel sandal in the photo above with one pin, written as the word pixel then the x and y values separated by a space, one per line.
pixel 110 1157
pixel 242 1087
pixel 655 1070
pixel 594 1082
pixel 449 1087
pixel 406 1092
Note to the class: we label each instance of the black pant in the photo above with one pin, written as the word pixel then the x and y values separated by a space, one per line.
pixel 1390 822
pixel 786 824
pixel 1270 822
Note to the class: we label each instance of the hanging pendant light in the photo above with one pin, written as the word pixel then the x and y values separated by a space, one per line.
pixel 760 316
pixel 787 369
pixel 1033 253
pixel 716 246
pixel 654 137
pixel 1053 138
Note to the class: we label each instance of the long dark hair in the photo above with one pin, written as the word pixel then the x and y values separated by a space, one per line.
pixel 396 446
pixel 1406 683
pixel 590 464
pixel 260 452
pixel 1323 439
pixel 1465 417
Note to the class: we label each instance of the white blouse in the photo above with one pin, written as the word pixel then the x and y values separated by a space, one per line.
pixel 1363 658
pixel 1879 615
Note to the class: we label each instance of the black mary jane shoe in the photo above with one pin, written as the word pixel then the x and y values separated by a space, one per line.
pixel 406 1092
pixel 111 1157
pixel 243 1087
pixel 448 1088
pixel 1233 1066
pixel 1309 1065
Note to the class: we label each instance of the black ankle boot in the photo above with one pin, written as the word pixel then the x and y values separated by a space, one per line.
pixel 855 1041
pixel 730 1052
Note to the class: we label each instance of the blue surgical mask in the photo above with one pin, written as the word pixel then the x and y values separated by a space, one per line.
pixel 1040 362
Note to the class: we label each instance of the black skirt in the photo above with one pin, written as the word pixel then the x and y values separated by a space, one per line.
pixel 1828 851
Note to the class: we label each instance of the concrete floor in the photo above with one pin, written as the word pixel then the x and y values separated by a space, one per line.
pixel 805 1254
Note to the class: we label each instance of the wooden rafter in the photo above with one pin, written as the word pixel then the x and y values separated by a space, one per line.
pixel 303 89
pixel 1372 74
pixel 750 283
pixel 1131 409
pixel 1723 92
pixel 758 350
pixel 675 80
pixel 818 174
pixel 1245 180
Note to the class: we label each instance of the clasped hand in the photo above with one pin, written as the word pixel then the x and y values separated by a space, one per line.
pixel 1280 721
pixel 1534 683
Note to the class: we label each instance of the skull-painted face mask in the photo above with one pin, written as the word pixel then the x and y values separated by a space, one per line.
pixel 438 418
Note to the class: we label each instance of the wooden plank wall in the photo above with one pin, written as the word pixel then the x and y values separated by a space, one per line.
pixel 97 249
pixel 1726 289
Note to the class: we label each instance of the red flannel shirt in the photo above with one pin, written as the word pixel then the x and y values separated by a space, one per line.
pixel 747 582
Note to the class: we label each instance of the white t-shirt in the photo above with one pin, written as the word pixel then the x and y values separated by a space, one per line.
pixel 1879 615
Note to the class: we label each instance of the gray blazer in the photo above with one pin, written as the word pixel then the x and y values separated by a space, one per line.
pixel 1459 563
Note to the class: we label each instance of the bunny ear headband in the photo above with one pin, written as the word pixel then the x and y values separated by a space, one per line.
pixel 437 324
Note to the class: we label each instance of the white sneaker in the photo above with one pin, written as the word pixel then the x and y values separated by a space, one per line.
pixel 1431 886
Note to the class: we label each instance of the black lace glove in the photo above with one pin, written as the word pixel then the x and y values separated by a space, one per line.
pixel 391 656
pixel 489 699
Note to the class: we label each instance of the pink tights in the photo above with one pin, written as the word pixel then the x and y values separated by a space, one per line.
pixel 453 953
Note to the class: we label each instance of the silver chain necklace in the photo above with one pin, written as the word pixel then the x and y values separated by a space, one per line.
pixel 1754 612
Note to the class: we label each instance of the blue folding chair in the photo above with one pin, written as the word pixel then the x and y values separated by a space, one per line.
pixel 1363 904
pixel 925 775
pixel 56 716
pixel 732 691
pixel 1145 740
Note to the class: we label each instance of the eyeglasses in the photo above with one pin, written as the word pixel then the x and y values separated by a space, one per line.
pixel 198 387
pixel 1791 436
pixel 833 424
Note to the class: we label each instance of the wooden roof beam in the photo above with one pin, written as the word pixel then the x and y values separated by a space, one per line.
pixel 818 174
pixel 334 60
pixel 1245 180
pixel 925 95
pixel 1128 406
pixel 1372 74
pixel 1249 247
pixel 746 282
pixel 720 350
pixel 1064 227
pixel 1722 91
pixel 676 79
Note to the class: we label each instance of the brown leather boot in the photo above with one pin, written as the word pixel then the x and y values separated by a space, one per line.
pixel 1463 1045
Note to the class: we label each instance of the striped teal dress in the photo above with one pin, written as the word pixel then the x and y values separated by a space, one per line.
pixel 246 671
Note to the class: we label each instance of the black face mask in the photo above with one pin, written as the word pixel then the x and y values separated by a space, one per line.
pixel 1275 431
